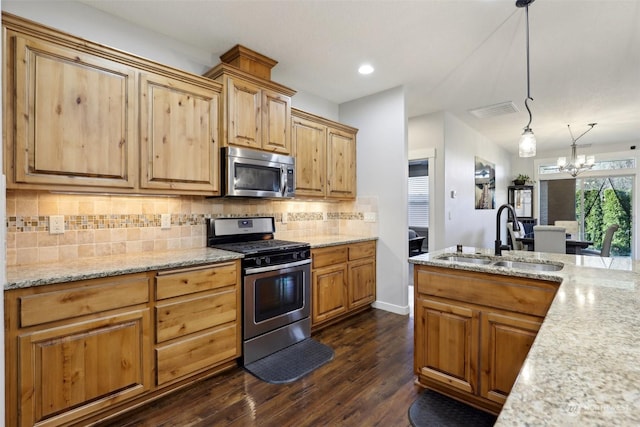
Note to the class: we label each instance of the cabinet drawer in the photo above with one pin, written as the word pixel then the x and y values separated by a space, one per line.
pixel 362 250
pixel 182 282
pixel 328 256
pixel 518 294
pixel 187 356
pixel 183 317
pixel 88 297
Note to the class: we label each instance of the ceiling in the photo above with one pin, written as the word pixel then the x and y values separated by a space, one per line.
pixel 452 55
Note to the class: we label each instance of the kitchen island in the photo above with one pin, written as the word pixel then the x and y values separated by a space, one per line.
pixel 583 367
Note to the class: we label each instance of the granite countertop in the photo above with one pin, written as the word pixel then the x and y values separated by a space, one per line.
pixel 320 241
pixel 584 366
pixel 24 276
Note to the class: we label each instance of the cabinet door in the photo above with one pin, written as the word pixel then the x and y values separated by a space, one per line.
pixel 309 141
pixel 362 282
pixel 506 340
pixel 341 164
pixel 179 134
pixel 244 102
pixel 276 122
pixel 329 287
pixel 74 118
pixel 446 347
pixel 83 366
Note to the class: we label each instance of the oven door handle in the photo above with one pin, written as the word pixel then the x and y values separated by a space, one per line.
pixel 256 270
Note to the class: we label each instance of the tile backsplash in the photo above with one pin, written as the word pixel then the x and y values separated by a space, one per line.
pixel 98 225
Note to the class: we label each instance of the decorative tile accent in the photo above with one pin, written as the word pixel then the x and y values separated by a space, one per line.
pixel 113 224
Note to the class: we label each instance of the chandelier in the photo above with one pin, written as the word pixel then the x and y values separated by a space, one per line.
pixel 527 143
pixel 577 163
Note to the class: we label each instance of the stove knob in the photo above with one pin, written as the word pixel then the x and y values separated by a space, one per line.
pixel 258 261
pixel 295 255
pixel 267 260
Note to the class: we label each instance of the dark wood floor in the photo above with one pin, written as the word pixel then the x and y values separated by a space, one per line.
pixel 368 383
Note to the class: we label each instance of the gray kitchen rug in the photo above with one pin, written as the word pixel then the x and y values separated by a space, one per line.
pixel 291 363
pixel 436 410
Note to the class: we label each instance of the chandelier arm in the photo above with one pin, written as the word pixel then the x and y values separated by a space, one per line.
pixel 590 124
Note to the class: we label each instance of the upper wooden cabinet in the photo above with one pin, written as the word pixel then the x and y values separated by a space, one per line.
pixel 83 117
pixel 72 114
pixel 256 112
pixel 325 153
pixel 179 133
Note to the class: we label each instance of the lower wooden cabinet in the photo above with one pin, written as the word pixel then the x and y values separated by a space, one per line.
pixel 199 324
pixel 473 331
pixel 78 351
pixel 343 281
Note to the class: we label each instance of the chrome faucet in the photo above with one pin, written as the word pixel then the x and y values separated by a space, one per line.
pixel 499 247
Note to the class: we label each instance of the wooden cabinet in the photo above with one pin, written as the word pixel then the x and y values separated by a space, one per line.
pixel 79 351
pixel 325 153
pixel 197 320
pixel 508 338
pixel 256 112
pixel 343 281
pixel 179 135
pixel 77 348
pixel 473 331
pixel 83 117
pixel 72 120
pixel 362 275
pixel 448 350
pixel 329 283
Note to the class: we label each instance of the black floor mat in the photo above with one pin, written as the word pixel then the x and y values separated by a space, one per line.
pixel 291 363
pixel 436 410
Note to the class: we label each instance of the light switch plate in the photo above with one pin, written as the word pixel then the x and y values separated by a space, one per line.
pixel 56 224
pixel 165 221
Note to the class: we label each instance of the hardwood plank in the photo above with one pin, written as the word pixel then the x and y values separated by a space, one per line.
pixel 369 382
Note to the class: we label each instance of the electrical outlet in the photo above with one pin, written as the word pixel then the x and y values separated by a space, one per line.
pixel 165 221
pixel 56 224
pixel 324 216
pixel 370 217
pixel 285 217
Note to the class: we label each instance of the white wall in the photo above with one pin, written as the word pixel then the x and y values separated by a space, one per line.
pixel 456 221
pixel 382 172
pixel 316 105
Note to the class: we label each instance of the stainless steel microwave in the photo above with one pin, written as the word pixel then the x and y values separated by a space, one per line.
pixel 253 173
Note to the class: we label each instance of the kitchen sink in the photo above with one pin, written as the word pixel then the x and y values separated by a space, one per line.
pixel 535 266
pixel 469 259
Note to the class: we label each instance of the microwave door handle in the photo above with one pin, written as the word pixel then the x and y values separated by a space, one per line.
pixel 283 180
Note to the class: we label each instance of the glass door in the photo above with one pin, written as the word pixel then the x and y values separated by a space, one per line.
pixel 601 202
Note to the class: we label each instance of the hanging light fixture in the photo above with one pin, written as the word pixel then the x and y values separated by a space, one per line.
pixel 527 144
pixel 578 163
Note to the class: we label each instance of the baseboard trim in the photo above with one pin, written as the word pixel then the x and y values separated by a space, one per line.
pixel 397 309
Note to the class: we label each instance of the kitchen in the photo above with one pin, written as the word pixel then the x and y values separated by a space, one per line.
pixel 388 123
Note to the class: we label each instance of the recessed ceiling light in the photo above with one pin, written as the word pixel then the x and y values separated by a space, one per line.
pixel 365 69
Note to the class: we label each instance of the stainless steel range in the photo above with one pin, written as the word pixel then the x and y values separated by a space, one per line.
pixel 276 276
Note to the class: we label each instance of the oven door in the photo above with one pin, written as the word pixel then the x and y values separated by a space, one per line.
pixel 275 296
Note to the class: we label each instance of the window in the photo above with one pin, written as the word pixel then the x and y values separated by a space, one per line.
pixel 418 194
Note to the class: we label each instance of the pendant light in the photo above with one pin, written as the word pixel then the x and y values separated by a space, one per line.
pixel 577 163
pixel 527 144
